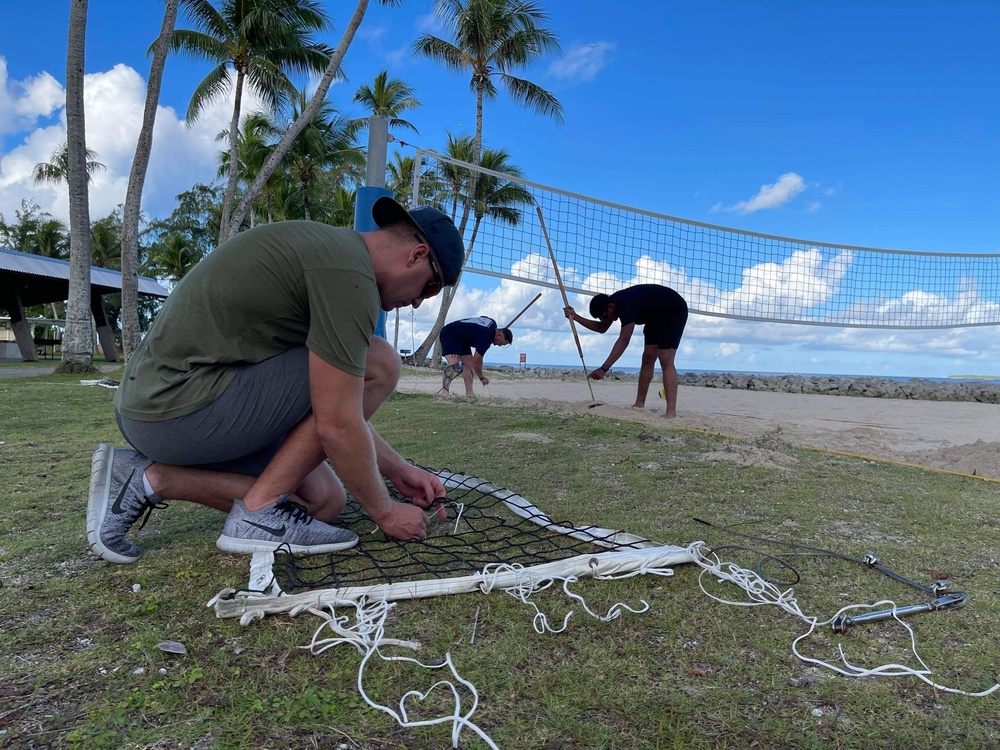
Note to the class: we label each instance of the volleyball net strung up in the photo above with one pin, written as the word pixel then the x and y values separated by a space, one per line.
pixel 720 271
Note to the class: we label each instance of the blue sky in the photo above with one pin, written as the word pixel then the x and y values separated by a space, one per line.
pixel 859 123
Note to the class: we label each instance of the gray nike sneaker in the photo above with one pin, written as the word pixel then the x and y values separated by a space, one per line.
pixel 284 523
pixel 117 499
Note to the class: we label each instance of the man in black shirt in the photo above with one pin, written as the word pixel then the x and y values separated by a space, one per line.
pixel 662 312
pixel 459 338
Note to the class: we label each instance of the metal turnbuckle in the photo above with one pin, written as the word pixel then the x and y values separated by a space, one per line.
pixel 954 600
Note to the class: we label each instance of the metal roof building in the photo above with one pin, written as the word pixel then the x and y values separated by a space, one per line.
pixel 27 279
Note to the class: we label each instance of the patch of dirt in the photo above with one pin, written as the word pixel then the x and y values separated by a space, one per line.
pixel 978 459
pixel 531 437
pixel 751 455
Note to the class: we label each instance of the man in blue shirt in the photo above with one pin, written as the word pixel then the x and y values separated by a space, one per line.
pixel 662 312
pixel 459 338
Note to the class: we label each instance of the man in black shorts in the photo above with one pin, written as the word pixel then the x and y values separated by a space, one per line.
pixel 459 338
pixel 263 364
pixel 662 312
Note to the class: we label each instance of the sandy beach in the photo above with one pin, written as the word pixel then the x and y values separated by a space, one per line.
pixel 963 437
pixel 958 436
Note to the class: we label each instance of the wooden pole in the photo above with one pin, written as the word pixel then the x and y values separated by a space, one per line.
pixel 524 310
pixel 572 323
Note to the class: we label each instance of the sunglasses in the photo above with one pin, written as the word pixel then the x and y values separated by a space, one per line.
pixel 431 288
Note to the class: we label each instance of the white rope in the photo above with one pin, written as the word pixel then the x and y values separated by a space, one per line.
pixel 367 635
pixel 525 585
pixel 762 592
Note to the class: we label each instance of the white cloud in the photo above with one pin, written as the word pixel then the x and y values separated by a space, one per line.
pixel 372 33
pixel 582 62
pixel 720 343
pixel 429 24
pixel 23 103
pixel 774 195
pixel 114 102
pixel 805 279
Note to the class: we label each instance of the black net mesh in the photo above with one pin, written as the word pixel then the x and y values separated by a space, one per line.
pixel 486 532
pixel 720 271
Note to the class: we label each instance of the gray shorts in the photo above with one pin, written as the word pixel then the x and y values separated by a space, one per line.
pixel 241 430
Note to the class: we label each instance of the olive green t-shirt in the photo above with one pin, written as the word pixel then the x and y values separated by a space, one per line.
pixel 263 292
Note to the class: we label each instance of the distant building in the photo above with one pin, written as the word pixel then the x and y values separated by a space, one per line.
pixel 27 280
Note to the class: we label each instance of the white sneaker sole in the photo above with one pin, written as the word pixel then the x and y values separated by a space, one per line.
pixel 97 505
pixel 239 546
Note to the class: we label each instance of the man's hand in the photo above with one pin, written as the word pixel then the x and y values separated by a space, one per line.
pixel 569 312
pixel 406 522
pixel 422 487
pixel 597 374
pixel 484 380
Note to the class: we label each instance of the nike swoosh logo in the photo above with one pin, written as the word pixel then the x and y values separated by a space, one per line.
pixel 280 531
pixel 117 507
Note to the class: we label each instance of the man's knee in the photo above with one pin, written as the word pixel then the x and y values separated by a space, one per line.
pixel 382 365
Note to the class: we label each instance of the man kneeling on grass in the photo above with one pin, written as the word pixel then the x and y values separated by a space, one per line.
pixel 262 365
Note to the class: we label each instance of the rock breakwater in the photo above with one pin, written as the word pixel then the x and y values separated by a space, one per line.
pixel 825 385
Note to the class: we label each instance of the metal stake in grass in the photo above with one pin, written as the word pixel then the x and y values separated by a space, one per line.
pixel 572 324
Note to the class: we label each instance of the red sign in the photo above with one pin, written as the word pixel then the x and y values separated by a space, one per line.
pixel 524 358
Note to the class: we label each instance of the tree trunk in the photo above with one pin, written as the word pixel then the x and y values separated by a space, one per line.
pixel 433 338
pixel 133 198
pixel 232 226
pixel 227 227
pixel 304 186
pixel 78 342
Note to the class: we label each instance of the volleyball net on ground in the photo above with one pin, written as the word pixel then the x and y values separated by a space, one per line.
pixel 495 540
pixel 720 271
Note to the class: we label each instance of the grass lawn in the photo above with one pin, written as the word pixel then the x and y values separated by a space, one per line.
pixel 80 667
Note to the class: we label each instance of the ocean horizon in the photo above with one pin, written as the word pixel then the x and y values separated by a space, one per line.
pixel 960 378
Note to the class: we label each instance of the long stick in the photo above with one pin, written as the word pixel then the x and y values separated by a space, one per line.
pixel 524 310
pixel 572 323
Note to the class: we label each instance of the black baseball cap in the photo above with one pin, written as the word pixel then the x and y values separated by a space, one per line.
pixel 435 225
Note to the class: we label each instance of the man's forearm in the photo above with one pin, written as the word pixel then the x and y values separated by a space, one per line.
pixel 388 460
pixel 615 354
pixel 591 325
pixel 356 458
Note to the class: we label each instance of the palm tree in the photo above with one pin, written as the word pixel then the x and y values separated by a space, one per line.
pixel 131 328
pixel 106 240
pixel 50 239
pixel 399 180
pixel 493 37
pixel 495 198
pixel 172 258
pixel 56 170
pixel 257 136
pixel 262 41
pixel 341 209
pixel 455 178
pixel 327 140
pixel 35 231
pixel 78 341
pixel 332 71
pixel 387 97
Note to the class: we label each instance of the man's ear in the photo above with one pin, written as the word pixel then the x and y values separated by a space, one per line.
pixel 416 254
